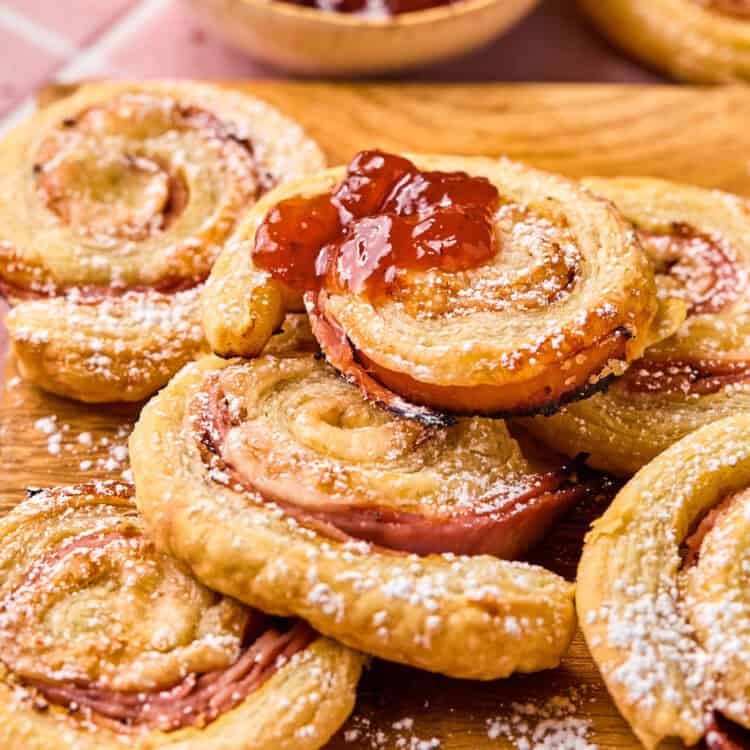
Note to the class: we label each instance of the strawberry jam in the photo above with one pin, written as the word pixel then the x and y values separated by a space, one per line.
pixel 371 7
pixel 385 219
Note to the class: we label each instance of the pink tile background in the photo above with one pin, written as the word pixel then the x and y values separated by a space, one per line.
pixel 78 21
pixel 42 40
pixel 186 51
pixel 27 66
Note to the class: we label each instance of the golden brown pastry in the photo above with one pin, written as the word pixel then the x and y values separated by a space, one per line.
pixel 275 482
pixel 114 203
pixel 663 591
pixel 705 41
pixel 107 643
pixel 699 241
pixel 457 284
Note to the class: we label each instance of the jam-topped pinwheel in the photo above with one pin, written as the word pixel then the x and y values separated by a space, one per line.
pixel 699 242
pixel 107 643
pixel 115 203
pixel 441 284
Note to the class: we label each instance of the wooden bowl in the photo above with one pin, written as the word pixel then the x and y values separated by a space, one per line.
pixel 310 41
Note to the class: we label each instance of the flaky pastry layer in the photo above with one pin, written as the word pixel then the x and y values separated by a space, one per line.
pixel 694 40
pixel 670 635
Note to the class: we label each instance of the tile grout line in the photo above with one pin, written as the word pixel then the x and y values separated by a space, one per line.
pixel 36 34
pixel 90 61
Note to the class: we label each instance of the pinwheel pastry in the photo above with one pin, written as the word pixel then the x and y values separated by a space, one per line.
pixel 115 202
pixel 495 290
pixel 663 591
pixel 694 40
pixel 107 643
pixel 699 241
pixel 275 482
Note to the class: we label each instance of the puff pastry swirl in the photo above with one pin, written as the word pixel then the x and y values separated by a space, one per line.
pixel 105 643
pixel 705 41
pixel 699 241
pixel 115 202
pixel 662 591
pixel 562 296
pixel 276 483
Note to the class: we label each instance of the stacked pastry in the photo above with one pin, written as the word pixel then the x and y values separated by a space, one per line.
pixel 662 583
pixel 116 202
pixel 699 243
pixel 448 293
pixel 337 477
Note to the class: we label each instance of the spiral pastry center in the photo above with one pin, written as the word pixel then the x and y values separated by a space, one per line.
pixel 118 195
pixel 697 268
pixel 296 435
pixel 703 271
pixel 107 172
pixel 348 431
pixel 140 191
pixel 66 607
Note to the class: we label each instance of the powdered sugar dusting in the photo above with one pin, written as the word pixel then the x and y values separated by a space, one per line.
pixel 642 630
pixel 363 732
pixel 555 724
pixel 104 456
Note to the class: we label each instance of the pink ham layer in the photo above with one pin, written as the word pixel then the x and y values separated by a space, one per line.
pixel 507 531
pixel 197 699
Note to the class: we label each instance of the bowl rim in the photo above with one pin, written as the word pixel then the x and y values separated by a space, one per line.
pixel 354 21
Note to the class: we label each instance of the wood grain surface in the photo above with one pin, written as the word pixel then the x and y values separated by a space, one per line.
pixel 694 135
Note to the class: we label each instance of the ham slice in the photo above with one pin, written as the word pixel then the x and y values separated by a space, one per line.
pixel 198 699
pixel 689 378
pixel 508 532
pixel 694 542
pixel 505 524
pixel 340 353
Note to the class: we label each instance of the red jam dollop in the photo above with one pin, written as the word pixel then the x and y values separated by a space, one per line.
pixel 371 7
pixel 386 218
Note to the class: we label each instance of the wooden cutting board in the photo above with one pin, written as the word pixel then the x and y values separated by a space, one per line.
pixel 690 134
